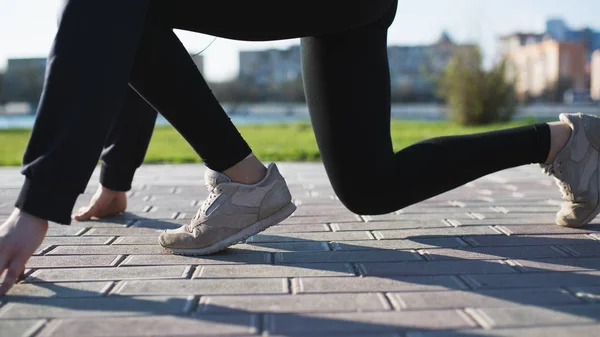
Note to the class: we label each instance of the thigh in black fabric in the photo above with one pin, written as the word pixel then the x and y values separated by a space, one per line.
pixel 262 20
pixel 346 78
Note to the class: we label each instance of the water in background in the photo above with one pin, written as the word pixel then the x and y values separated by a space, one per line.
pixel 292 113
pixel 8 122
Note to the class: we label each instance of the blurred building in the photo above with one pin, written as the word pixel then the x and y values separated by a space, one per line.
pixel 561 32
pixel 23 80
pixel 272 67
pixel 595 76
pixel 548 67
pixel 1 84
pixel 414 69
pixel 556 29
pixel 513 42
pixel 551 62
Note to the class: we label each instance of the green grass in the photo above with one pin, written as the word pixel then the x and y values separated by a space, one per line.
pixel 293 142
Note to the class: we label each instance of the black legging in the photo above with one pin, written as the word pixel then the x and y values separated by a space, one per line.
pixel 102 45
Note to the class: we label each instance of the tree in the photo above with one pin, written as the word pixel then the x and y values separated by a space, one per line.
pixel 1 87
pixel 292 91
pixel 476 96
pixel 30 83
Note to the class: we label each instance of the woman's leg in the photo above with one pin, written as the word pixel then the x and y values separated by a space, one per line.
pixel 127 143
pixel 123 153
pixel 346 79
pixel 86 83
pixel 101 45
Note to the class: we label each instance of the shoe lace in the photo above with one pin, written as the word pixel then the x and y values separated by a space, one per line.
pixel 555 170
pixel 213 193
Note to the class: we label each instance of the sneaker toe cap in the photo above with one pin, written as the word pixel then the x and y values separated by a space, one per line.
pixel 175 238
pixel 575 215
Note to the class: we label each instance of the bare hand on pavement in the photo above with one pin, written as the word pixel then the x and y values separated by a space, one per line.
pixel 20 237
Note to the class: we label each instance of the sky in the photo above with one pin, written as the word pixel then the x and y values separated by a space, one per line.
pixel 27 27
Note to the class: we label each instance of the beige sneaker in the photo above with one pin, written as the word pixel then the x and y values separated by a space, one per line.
pixel 576 171
pixel 231 213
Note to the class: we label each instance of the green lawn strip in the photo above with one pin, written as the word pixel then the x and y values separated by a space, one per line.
pixel 285 142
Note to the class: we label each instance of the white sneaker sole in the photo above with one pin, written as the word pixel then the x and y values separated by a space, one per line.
pixel 592 215
pixel 245 233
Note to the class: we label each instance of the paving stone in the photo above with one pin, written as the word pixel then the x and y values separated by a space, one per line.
pixel 366 322
pixel 296 220
pixel 518 211
pixel 549 279
pixel 325 236
pixel 434 268
pixel 58 230
pixel 307 269
pixel 113 222
pixel 535 316
pixel 515 209
pixel 302 200
pixel 443 228
pixel 20 328
pixel 298 246
pixel 399 244
pixel 527 240
pixel 385 225
pixel 592 249
pixel 150 260
pixel 76 241
pixel 429 206
pixel 40 262
pixel 230 325
pixel 136 240
pixel 345 334
pixel 492 253
pixel 541 216
pixel 294 303
pixel 253 286
pixel 590 293
pixel 158 224
pixel 108 250
pixel 108 274
pixel 522 221
pixel 415 234
pixel 481 299
pixel 59 290
pixel 155 213
pixel 375 284
pixel 296 229
pixel 315 210
pixel 347 256
pixel 570 330
pixel 564 264
pixel 545 229
pixel 100 307
pixel 122 231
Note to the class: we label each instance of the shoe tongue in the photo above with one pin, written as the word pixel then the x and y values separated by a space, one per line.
pixel 214 178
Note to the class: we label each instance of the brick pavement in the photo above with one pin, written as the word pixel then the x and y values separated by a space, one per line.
pixel 481 260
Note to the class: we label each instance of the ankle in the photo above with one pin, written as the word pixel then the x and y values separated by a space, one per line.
pixel 248 171
pixel 560 133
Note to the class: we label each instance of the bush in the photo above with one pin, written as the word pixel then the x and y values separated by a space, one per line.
pixel 476 96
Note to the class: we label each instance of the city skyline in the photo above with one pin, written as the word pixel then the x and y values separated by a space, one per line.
pixel 467 21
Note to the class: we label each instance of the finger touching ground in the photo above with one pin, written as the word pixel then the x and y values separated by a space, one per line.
pixel 85 213
pixel 15 269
